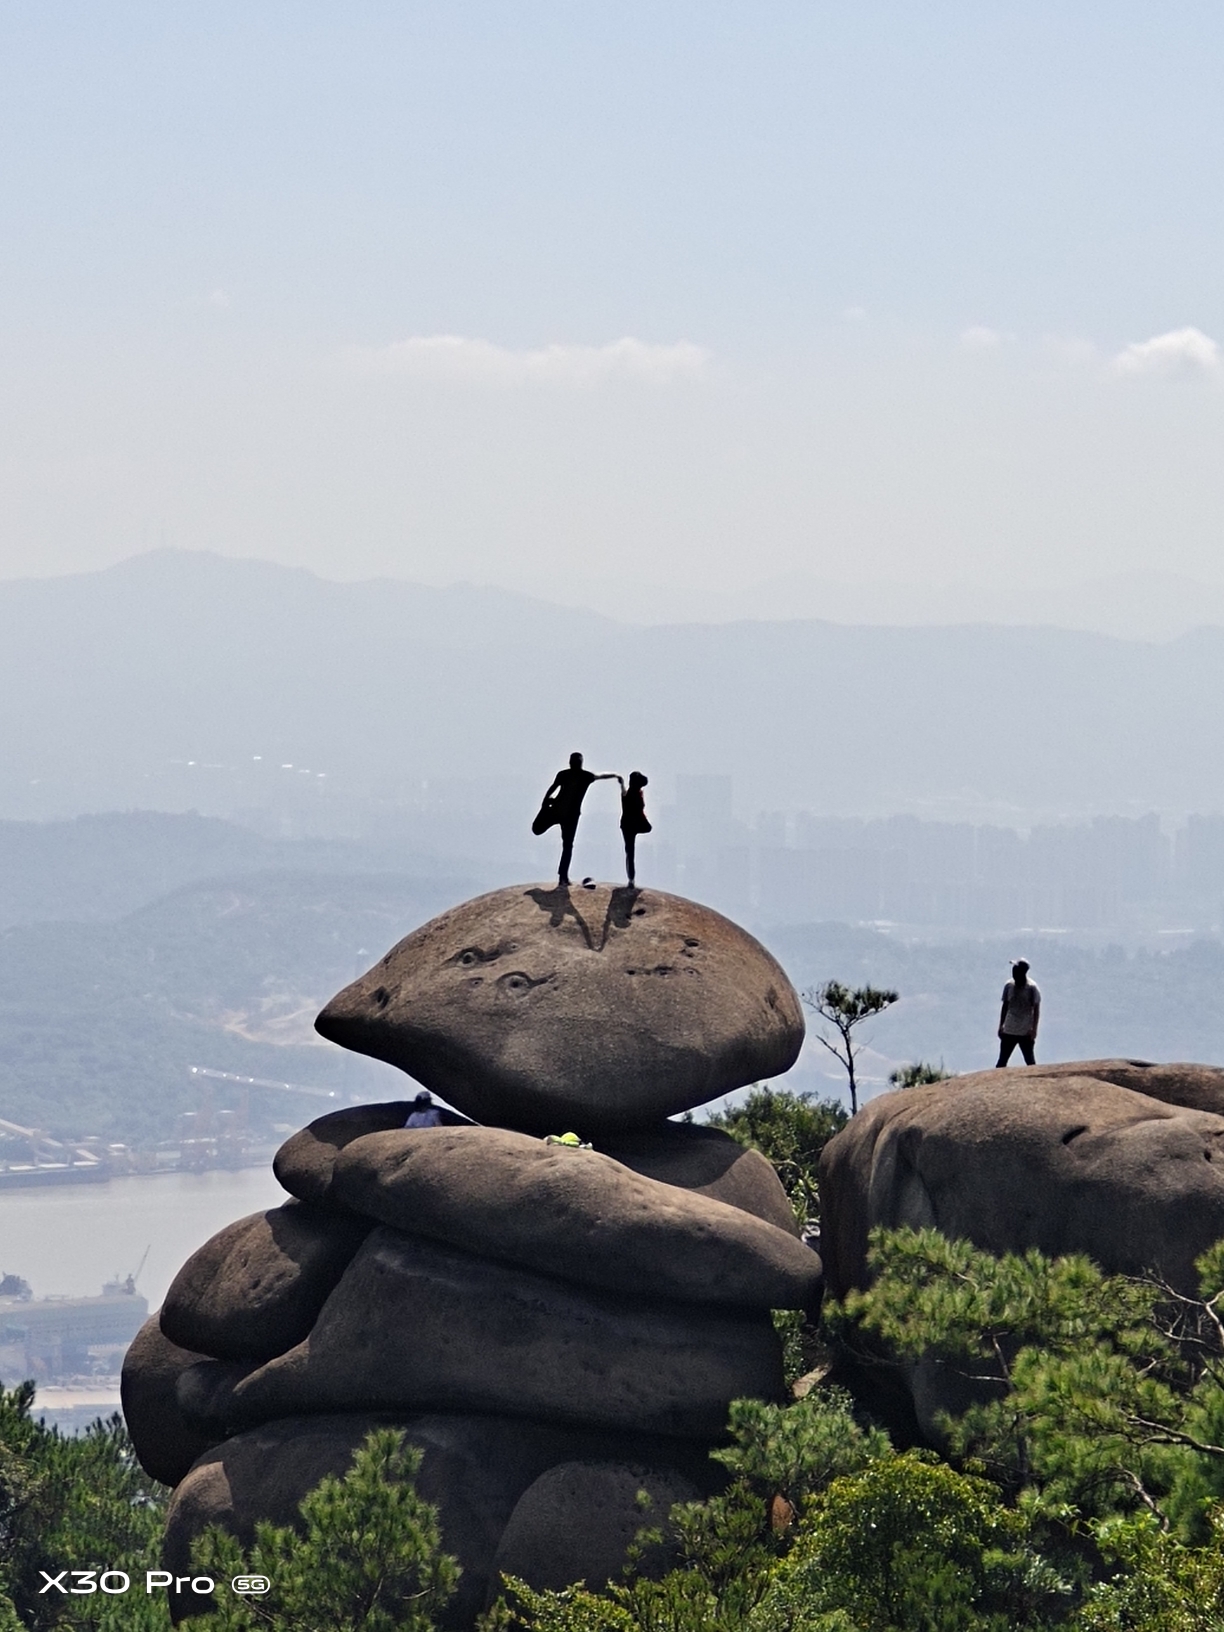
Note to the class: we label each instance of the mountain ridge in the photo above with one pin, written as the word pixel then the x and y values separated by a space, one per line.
pixel 183 681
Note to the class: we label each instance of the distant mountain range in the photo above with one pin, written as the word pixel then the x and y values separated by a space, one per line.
pixel 1141 605
pixel 191 681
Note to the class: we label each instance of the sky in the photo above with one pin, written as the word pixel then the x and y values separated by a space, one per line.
pixel 641 305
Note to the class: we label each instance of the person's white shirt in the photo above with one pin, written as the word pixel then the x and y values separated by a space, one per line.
pixel 1021 1009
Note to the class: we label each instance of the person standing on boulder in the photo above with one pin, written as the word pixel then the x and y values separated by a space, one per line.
pixel 563 805
pixel 633 819
pixel 1019 1016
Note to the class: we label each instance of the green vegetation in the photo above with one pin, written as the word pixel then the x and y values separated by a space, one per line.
pixel 917 1074
pixel 790 1130
pixel 65 1503
pixel 1081 1491
pixel 368 1559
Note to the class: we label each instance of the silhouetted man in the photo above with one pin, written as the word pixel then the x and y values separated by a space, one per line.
pixel 1019 1016
pixel 564 799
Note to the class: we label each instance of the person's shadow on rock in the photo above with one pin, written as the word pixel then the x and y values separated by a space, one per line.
pixel 559 905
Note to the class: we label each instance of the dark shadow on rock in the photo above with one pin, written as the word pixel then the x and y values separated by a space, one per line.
pixel 559 906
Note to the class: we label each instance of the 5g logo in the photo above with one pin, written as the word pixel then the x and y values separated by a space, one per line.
pixel 251 1586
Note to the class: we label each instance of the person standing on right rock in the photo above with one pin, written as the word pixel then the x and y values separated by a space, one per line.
pixel 1019 1016
pixel 633 820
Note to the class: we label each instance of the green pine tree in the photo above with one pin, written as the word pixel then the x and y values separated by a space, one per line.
pixel 369 1557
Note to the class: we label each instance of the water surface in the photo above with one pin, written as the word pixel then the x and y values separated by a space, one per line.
pixel 68 1239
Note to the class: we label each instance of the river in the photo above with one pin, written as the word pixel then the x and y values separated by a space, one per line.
pixel 69 1238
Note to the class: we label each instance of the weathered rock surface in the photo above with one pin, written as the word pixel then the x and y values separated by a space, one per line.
pixel 304 1164
pixel 577 1522
pixel 255 1289
pixel 685 1154
pixel 574 1214
pixel 166 1444
pixel 547 1009
pixel 474 1469
pixel 413 1326
pixel 707 1161
pixel 1061 1161
pixel 1197 1087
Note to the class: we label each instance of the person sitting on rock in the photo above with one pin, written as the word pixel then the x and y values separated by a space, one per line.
pixel 570 1141
pixel 633 818
pixel 564 804
pixel 1019 1016
pixel 424 1113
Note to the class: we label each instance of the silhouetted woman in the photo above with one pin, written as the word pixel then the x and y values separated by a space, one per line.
pixel 633 817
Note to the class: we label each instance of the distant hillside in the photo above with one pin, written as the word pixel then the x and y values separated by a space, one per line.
pixel 99 867
pixel 179 681
pixel 99 1022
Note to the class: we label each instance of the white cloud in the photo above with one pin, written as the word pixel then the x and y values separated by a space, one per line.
pixel 217 298
pixel 1184 352
pixel 454 357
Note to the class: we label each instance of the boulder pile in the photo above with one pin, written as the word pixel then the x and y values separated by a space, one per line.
pixel 556 1326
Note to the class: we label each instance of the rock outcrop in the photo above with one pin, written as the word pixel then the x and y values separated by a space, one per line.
pixel 1117 1159
pixel 260 1282
pixel 556 1327
pixel 573 1213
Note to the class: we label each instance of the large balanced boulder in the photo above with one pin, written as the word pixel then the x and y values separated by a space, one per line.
pixel 165 1442
pixel 413 1326
pixel 574 1214
pixel 1059 1160
pixel 255 1288
pixel 546 1009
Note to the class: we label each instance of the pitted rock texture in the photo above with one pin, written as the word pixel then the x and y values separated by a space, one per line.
pixel 1061 1160
pixel 549 1009
pixel 413 1326
pixel 166 1444
pixel 573 1214
pixel 474 1469
pixel 255 1289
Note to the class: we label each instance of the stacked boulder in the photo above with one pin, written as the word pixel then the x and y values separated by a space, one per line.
pixel 1119 1159
pixel 556 1327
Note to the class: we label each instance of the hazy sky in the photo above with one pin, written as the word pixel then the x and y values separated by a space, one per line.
pixel 666 294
